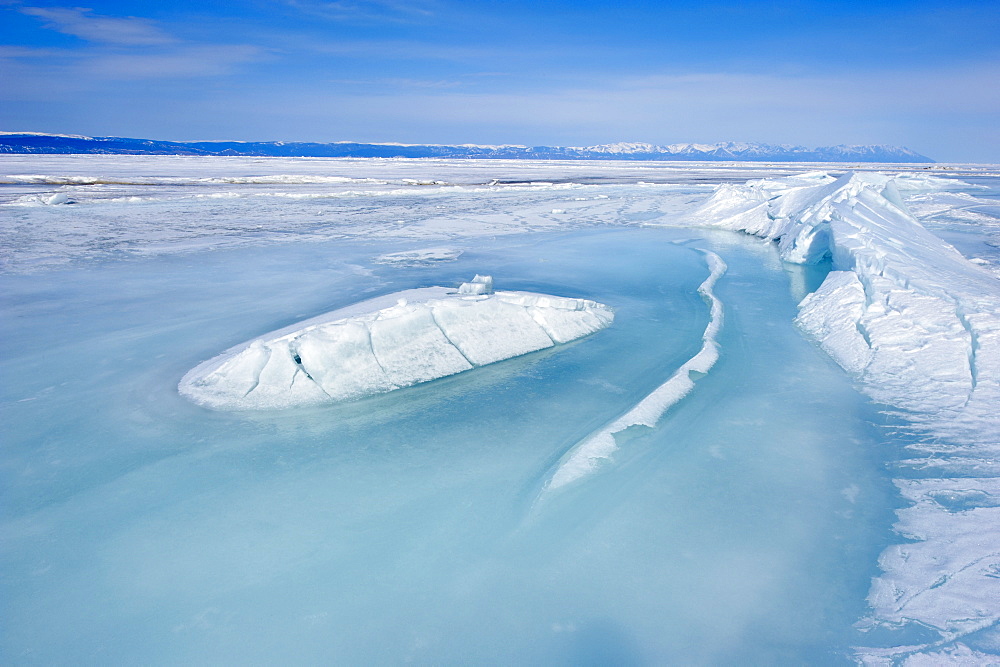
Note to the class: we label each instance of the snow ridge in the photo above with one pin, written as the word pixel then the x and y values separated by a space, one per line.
pixel 919 327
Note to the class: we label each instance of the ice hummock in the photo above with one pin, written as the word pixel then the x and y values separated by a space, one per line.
pixel 915 320
pixel 388 343
pixel 919 326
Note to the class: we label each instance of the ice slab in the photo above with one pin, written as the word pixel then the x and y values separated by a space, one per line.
pixel 478 285
pixel 387 343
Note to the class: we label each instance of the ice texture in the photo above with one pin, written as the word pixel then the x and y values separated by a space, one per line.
pixel 372 348
pixel 918 325
pixel 599 447
pixel 764 494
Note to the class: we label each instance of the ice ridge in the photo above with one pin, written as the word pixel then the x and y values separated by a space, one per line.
pixel 388 343
pixel 919 326
pixel 595 449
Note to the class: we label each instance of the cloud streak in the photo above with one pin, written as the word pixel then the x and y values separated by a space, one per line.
pixel 367 11
pixel 83 23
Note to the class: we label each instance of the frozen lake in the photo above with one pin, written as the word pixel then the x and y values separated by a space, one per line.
pixel 415 526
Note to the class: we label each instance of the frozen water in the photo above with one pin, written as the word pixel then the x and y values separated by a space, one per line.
pixel 743 518
pixel 601 446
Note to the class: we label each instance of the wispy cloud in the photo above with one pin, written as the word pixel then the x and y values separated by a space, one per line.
pixel 367 11
pixel 393 83
pixel 187 61
pixel 7 51
pixel 83 23
pixel 119 48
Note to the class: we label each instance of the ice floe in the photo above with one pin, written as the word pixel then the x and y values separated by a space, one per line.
pixel 421 257
pixel 919 326
pixel 387 343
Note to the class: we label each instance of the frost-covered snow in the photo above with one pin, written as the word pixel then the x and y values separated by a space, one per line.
pixel 390 342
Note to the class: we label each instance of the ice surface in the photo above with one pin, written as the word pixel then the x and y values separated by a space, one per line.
pixel 400 526
pixel 429 333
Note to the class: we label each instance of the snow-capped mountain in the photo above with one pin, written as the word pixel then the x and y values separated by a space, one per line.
pixel 33 142
pixel 732 150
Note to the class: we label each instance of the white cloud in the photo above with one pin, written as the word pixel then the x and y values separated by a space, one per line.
pixel 391 84
pixel 188 61
pixel 367 11
pixel 83 23
pixel 122 48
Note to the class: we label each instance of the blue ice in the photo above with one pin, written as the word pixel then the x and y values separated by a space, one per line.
pixel 138 527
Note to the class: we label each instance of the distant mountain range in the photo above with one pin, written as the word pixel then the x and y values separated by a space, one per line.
pixel 30 142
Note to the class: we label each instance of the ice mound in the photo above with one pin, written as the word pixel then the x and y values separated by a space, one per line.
pixel 388 343
pixel 919 326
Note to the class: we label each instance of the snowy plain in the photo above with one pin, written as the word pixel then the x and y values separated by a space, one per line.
pixel 720 474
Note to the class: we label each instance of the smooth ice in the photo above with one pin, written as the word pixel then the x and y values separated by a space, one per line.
pixel 405 526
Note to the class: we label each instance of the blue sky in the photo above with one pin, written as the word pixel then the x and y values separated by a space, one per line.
pixel 921 74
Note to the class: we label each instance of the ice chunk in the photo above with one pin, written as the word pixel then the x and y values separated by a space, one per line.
pixel 387 343
pixel 57 198
pixel 833 315
pixel 478 285
pixel 422 257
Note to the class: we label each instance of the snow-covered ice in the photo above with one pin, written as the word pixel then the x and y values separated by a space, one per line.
pixel 811 478
pixel 398 340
